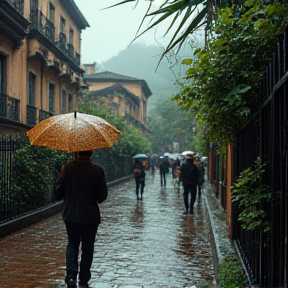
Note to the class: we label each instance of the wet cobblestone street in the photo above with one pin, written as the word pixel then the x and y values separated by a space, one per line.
pixel 148 243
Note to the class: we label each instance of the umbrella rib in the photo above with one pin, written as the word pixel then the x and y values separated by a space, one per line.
pixel 101 132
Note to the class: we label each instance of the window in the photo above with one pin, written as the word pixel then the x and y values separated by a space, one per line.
pixel 62 25
pixel 71 33
pixel 3 103
pixel 51 97
pixel 33 10
pixel 2 74
pixel 70 103
pixel 31 89
pixel 51 12
pixel 63 102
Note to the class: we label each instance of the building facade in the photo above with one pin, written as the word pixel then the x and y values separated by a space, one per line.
pixel 121 95
pixel 40 73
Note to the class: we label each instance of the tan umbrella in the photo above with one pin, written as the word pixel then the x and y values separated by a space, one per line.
pixel 74 132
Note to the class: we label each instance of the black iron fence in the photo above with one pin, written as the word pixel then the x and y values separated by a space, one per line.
pixel 265 254
pixel 15 201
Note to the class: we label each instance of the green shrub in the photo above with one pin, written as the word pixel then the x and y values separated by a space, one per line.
pixel 231 273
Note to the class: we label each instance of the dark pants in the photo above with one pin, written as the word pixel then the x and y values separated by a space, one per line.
pixel 140 184
pixel 163 178
pixel 189 189
pixel 199 189
pixel 85 233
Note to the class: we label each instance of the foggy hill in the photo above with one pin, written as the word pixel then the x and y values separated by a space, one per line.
pixel 141 61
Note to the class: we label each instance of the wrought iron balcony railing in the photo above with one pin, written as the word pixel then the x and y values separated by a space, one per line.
pixel 9 107
pixel 31 115
pixel 44 115
pixel 61 43
pixel 19 5
pixel 43 24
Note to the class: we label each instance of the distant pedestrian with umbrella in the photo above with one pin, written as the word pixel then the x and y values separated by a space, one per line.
pixel 164 169
pixel 82 183
pixel 139 176
pixel 189 179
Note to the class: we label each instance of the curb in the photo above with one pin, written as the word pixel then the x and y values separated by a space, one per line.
pixel 221 244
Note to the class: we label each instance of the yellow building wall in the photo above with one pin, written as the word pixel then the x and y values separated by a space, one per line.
pixel 19 65
pixel 138 112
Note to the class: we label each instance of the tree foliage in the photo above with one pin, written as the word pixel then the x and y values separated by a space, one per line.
pixel 251 194
pixel 223 77
pixel 35 169
pixel 185 16
pixel 169 124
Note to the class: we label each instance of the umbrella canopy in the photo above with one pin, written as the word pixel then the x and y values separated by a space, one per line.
pixel 174 156
pixel 187 153
pixel 137 156
pixel 74 132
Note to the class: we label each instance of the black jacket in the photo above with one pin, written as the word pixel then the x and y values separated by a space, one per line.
pixel 82 186
pixel 164 166
pixel 189 173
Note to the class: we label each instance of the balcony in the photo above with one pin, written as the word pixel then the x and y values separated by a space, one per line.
pixel 44 115
pixel 19 5
pixel 71 52
pixel 31 115
pixel 43 24
pixel 61 43
pixel 43 29
pixel 9 107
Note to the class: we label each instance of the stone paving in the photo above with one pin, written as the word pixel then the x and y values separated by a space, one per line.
pixel 148 243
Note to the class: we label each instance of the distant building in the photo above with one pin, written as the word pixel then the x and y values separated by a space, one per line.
pixel 121 95
pixel 40 73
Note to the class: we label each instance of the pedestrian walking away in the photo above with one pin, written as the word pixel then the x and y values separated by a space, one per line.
pixel 83 186
pixel 189 179
pixel 164 169
pixel 201 173
pixel 139 176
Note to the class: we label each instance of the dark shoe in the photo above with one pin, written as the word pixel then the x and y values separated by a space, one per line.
pixel 191 211
pixel 71 283
pixel 185 212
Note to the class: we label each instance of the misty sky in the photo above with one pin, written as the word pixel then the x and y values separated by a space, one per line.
pixel 113 29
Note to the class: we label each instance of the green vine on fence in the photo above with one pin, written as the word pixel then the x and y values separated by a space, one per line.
pixel 251 194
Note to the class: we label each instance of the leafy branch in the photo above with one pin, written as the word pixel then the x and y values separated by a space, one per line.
pixel 251 194
pixel 221 82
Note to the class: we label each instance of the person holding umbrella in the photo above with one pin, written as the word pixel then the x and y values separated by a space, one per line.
pixel 82 183
pixel 189 179
pixel 164 169
pixel 139 176
pixel 83 187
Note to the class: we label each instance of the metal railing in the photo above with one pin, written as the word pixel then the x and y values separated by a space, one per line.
pixel 44 115
pixel 265 254
pixel 15 201
pixel 31 115
pixel 9 107
pixel 19 5
pixel 41 23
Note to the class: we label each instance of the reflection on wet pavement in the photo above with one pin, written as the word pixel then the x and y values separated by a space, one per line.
pixel 148 243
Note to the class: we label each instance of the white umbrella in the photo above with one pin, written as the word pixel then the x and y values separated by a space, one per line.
pixel 187 153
